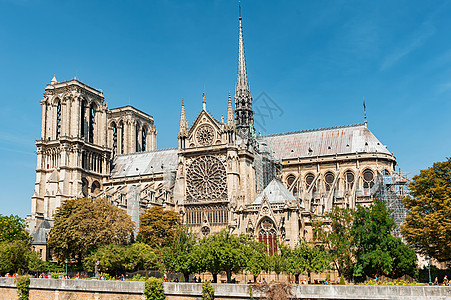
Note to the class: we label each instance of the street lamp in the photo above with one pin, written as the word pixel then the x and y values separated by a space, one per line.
pixel 429 267
pixel 66 261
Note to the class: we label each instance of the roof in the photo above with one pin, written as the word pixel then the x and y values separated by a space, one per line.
pixel 275 192
pixel 346 139
pixel 145 163
pixel 39 236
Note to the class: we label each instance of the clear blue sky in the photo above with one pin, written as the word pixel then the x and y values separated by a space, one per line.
pixel 316 60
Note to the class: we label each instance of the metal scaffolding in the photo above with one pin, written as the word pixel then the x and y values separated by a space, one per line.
pixel 392 189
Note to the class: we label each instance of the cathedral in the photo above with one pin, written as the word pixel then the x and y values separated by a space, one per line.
pixel 221 175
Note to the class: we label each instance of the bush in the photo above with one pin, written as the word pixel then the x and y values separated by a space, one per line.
pixel 154 289
pixel 342 280
pixel 22 282
pixel 208 293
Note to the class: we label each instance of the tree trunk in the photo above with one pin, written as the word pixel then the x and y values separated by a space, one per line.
pixel 215 278
pixel 309 279
pixel 186 276
pixel 255 278
pixel 229 276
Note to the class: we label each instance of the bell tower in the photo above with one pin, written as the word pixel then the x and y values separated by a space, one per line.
pixel 72 154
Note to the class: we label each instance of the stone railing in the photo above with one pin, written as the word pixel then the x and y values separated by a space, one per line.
pixel 131 290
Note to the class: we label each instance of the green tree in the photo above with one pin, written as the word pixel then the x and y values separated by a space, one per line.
pixel 82 225
pixel 13 256
pixel 179 255
pixel 334 232
pixel 12 228
pixel 377 251
pixel 277 264
pixel 116 259
pixel 157 226
pixel 221 252
pixel 427 227
pixel 257 259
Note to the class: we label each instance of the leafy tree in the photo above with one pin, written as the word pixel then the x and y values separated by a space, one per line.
pixel 118 258
pixel 81 225
pixel 427 227
pixel 221 252
pixel 377 251
pixel 12 228
pixel 179 255
pixel 158 226
pixel 334 232
pixel 257 259
pixel 13 256
pixel 276 264
pixel 154 289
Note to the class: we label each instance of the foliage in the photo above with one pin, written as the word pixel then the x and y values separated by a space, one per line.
pixel 81 225
pixel 427 227
pixel 377 251
pixel 335 234
pixel 342 280
pixel 23 283
pixel 14 256
pixel 208 293
pixel 158 226
pixel 257 259
pixel 394 282
pixel 118 258
pixel 12 228
pixel 276 263
pixel 305 258
pixel 153 289
pixel 221 252
pixel 179 255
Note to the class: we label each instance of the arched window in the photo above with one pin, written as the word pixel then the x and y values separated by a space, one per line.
pixel 114 139
pixel 290 179
pixel 95 188
pixel 58 119
pixel 267 235
pixel 368 179
pixel 349 180
pixel 329 180
pixel 121 126
pixel 92 116
pixel 309 180
pixel 137 138
pixel 83 118
pixel 84 187
pixel 143 137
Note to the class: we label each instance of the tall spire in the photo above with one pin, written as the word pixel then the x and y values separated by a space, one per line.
pixel 243 99
pixel 364 112
pixel 183 127
pixel 230 118
pixel 204 103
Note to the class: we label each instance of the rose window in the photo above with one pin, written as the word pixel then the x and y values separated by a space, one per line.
pixel 205 135
pixel 206 179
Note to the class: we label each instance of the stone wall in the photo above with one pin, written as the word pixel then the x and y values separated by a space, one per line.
pixel 60 289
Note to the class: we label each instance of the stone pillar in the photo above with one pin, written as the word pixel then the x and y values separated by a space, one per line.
pixel 132 147
pixel 43 120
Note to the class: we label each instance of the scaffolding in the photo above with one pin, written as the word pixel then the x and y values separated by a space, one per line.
pixel 391 189
pixel 266 166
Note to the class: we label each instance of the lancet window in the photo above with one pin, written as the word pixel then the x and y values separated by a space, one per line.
pixel 114 139
pixel 92 113
pixel 268 236
pixel 58 119
pixel 143 138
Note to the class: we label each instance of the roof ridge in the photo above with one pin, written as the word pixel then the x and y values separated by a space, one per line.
pixel 153 151
pixel 314 130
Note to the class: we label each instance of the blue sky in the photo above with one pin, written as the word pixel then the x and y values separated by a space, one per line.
pixel 315 60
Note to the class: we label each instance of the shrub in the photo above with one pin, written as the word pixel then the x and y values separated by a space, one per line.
pixel 208 293
pixel 154 289
pixel 22 282
pixel 342 280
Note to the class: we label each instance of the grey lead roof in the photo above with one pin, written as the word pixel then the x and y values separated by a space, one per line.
pixel 324 141
pixel 145 163
pixel 275 192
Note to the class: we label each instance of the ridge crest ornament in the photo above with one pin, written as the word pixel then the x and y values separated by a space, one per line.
pixel 206 180
pixel 205 135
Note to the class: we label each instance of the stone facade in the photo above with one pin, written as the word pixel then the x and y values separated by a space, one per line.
pixel 220 176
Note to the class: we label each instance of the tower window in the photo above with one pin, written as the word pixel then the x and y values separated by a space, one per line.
pixel 143 136
pixel 82 118
pixel 137 138
pixel 114 139
pixel 58 119
pixel 92 113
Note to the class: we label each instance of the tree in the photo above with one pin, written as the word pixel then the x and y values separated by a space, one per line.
pixel 221 251
pixel 377 251
pixel 427 227
pixel 158 226
pixel 82 225
pixel 116 259
pixel 257 259
pixel 180 255
pixel 334 232
pixel 12 228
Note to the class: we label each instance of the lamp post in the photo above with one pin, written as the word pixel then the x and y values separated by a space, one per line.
pixel 429 268
pixel 66 261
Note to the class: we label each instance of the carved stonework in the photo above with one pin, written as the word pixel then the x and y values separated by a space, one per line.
pixel 205 135
pixel 206 179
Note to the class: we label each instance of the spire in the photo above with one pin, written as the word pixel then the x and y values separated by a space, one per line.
pixel 230 118
pixel 183 121
pixel 243 99
pixel 54 81
pixel 204 103
pixel 364 112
